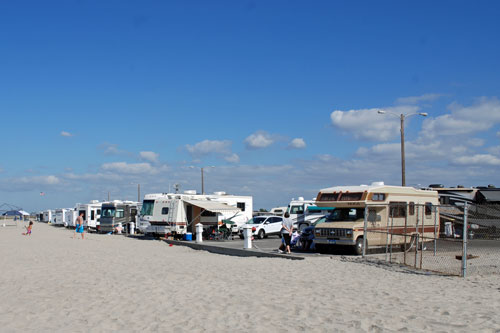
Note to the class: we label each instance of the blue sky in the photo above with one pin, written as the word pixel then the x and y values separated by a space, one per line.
pixel 280 96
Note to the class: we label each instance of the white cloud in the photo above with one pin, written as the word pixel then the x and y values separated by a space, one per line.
pixel 259 139
pixel 478 159
pixel 206 147
pixel 418 99
pixel 129 168
pixel 232 158
pixel 149 156
pixel 464 120
pixel 369 124
pixel 110 149
pixel 66 134
pixel 297 143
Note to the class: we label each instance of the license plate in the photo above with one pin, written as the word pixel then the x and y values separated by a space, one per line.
pixel 332 241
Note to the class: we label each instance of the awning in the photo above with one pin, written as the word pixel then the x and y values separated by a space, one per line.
pixel 491 195
pixel 213 206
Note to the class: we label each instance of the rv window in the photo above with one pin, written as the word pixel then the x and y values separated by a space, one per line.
pixel 147 207
pixel 398 209
pixel 92 215
pixel 412 208
pixel 241 205
pixel 164 211
pixel 108 212
pixel 297 209
pixel 328 197
pixel 98 212
pixel 119 213
pixel 378 196
pixel 350 196
pixel 346 214
pixel 428 209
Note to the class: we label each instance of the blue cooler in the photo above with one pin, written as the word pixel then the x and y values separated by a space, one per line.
pixel 188 236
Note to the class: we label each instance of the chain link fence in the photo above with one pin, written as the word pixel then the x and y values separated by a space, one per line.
pixel 431 238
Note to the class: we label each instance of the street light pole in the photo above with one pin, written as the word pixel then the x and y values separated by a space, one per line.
pixel 202 182
pixel 402 117
pixel 138 192
pixel 403 167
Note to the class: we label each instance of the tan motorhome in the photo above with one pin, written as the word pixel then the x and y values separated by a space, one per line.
pixel 403 211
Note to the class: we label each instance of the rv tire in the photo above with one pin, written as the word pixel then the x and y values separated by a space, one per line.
pixel 321 248
pixel 358 248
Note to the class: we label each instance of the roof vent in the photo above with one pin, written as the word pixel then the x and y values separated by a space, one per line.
pixel 301 199
pixel 190 192
pixel 378 184
pixel 220 193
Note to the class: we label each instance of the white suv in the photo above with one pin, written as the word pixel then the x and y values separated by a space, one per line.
pixel 263 226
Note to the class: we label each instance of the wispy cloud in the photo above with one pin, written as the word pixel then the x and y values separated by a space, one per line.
pixel 149 156
pixel 411 100
pixel 368 124
pixel 206 147
pixel 66 134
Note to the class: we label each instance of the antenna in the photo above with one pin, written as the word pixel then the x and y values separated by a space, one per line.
pixel 177 187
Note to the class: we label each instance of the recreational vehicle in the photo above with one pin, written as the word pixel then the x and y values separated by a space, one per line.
pixel 70 216
pixel 48 216
pixel 173 213
pixel 91 214
pixel 304 212
pixel 383 206
pixel 61 217
pixel 116 212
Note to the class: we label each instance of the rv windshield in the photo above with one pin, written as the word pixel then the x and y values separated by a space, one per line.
pixel 147 207
pixel 108 212
pixel 257 220
pixel 346 214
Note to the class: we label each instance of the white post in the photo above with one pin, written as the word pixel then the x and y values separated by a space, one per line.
pixel 464 242
pixel 132 228
pixel 120 226
pixel 199 233
pixel 247 234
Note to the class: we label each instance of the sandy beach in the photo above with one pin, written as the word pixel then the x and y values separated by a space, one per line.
pixel 51 282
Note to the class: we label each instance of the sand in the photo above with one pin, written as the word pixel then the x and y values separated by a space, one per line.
pixel 51 282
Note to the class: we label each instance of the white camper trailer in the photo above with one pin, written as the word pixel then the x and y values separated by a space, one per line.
pixel 178 213
pixel 91 214
pixel 60 216
pixel 70 216
pixel 47 216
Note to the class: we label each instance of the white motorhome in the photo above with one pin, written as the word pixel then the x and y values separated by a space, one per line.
pixel 91 214
pixel 408 212
pixel 70 216
pixel 61 216
pixel 46 216
pixel 304 212
pixel 176 213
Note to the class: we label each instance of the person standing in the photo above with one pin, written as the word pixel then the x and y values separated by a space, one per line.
pixel 79 225
pixel 287 230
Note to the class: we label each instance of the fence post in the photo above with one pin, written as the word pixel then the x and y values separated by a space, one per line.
pixel 365 228
pixel 435 209
pixel 464 243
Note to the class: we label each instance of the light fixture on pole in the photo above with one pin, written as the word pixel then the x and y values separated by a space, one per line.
pixel 402 117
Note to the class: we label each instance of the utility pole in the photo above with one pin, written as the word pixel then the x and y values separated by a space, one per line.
pixel 403 171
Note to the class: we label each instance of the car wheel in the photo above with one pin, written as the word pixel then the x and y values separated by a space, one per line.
pixel 261 234
pixel 358 248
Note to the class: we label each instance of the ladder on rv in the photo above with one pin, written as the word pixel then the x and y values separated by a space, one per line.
pixel 172 212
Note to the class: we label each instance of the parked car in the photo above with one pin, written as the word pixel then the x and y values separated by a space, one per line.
pixel 307 234
pixel 263 226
